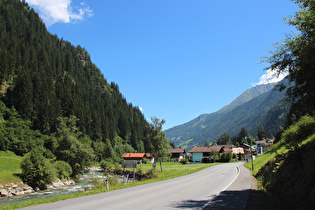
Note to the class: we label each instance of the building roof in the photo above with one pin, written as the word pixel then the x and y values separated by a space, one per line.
pixel 216 148
pixel 200 149
pixel 176 150
pixel 133 155
pixel 149 155
pixel 226 148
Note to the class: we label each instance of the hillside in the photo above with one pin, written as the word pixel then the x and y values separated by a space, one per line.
pixel 44 77
pixel 284 171
pixel 251 109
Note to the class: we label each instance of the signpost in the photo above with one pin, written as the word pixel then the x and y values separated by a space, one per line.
pixel 130 164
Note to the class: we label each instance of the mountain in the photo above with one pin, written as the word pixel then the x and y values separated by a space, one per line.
pixel 44 78
pixel 247 95
pixel 260 105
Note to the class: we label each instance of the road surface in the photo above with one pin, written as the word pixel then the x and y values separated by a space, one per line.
pixel 205 189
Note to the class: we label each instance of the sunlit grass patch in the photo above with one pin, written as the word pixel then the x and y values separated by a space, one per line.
pixel 9 167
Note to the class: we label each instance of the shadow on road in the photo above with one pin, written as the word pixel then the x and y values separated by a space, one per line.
pixel 225 200
pixel 189 204
pixel 229 200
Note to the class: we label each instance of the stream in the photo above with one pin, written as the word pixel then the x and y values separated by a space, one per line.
pixel 81 184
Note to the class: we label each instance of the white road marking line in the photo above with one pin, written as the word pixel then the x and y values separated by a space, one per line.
pixel 238 173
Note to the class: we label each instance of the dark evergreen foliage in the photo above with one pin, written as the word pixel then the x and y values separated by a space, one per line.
pixel 44 77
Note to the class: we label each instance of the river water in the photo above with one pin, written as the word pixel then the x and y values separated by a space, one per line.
pixel 81 184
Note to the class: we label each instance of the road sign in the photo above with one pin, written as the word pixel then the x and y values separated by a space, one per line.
pixel 129 164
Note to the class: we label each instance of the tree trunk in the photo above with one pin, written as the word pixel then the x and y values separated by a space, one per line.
pixel 161 165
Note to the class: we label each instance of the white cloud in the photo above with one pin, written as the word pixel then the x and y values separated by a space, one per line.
pixel 53 11
pixel 270 77
pixel 140 108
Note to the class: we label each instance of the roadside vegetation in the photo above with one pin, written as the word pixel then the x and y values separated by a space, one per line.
pixel 285 173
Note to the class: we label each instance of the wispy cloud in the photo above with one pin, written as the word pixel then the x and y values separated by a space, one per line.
pixel 140 108
pixel 53 11
pixel 270 77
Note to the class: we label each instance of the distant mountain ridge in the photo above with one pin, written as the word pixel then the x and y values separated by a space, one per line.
pixel 248 110
pixel 248 95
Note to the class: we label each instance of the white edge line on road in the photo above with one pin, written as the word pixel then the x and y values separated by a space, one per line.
pixel 238 173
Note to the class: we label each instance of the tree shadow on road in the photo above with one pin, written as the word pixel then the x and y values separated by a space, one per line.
pixel 189 204
pixel 225 200
pixel 229 200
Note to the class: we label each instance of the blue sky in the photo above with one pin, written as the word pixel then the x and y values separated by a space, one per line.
pixel 176 59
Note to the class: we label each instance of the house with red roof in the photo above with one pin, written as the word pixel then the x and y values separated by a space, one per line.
pixel 139 157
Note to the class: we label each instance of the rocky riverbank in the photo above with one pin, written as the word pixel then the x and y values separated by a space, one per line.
pixel 14 189
pixel 18 189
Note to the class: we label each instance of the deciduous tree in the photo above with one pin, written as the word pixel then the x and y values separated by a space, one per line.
pixel 160 144
pixel 295 55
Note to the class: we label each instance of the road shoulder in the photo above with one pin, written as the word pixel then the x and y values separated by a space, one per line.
pixel 236 195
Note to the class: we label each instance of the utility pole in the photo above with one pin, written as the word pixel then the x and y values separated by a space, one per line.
pixel 251 152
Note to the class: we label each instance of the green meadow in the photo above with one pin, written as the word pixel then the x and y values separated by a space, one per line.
pixel 9 167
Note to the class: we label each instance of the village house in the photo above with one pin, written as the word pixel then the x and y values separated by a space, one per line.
pixel 198 153
pixel 177 154
pixel 238 150
pixel 139 157
pixel 149 157
pixel 263 144
pixel 248 151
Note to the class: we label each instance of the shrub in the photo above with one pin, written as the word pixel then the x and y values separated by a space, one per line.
pixel 225 157
pixel 100 183
pixel 151 174
pixel 37 171
pixel 206 160
pixel 184 161
pixel 117 168
pixel 112 180
pixel 139 172
pixel 63 170
pixel 106 166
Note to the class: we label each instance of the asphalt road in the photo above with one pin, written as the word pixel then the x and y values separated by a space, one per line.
pixel 211 188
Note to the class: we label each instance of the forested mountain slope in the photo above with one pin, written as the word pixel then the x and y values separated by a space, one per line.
pixel 255 107
pixel 197 125
pixel 44 77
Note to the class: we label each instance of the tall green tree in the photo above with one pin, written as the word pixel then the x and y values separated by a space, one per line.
pixel 70 149
pixel 261 133
pixel 206 143
pixel 295 55
pixel 224 138
pixel 160 144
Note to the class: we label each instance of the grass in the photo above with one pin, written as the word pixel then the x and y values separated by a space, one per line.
pixel 170 170
pixel 260 197
pixel 9 167
pixel 263 159
pixel 275 149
